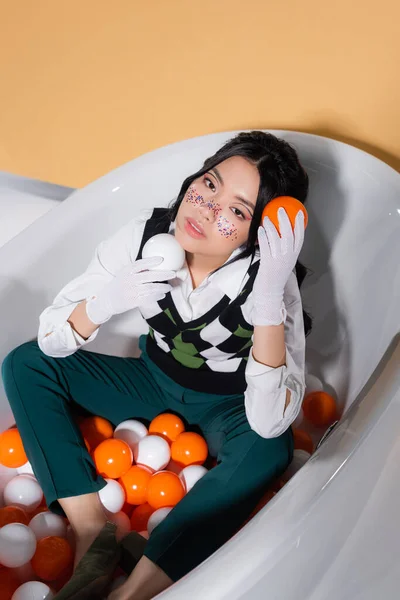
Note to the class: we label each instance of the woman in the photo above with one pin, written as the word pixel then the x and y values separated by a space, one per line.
pixel 225 351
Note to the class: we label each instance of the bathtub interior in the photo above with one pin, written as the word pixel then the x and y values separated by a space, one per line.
pixel 23 200
pixel 352 293
pixel 351 249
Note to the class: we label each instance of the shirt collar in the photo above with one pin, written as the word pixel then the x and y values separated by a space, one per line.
pixel 228 279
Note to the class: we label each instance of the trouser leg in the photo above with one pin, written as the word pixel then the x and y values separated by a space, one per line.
pixel 219 503
pixel 42 391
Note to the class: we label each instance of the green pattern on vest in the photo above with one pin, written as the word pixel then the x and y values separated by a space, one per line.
pixel 207 353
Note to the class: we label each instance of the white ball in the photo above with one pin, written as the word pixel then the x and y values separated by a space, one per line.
pixel 122 522
pixel 152 451
pixel 33 590
pixel 131 432
pixel 313 384
pixel 48 523
pixel 156 518
pixel 6 474
pixel 166 246
pixel 300 457
pixel 17 545
pixel 191 475
pixel 112 496
pixel 26 469
pixel 23 491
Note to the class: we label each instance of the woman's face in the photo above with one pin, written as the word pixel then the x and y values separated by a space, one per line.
pixel 215 214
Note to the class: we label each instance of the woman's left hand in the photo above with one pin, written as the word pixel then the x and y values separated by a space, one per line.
pixel 278 257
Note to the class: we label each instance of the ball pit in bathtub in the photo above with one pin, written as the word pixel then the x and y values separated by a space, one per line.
pixel 332 531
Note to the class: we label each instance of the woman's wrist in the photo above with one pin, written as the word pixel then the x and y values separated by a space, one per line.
pixel 80 321
pixel 269 310
pixel 269 345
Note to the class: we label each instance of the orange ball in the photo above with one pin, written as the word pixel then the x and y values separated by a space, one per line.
pixel 53 555
pixel 127 508
pixel 168 426
pixel 140 517
pixel 135 482
pixel 292 207
pixel 9 582
pixel 164 489
pixel 189 448
pixel 320 409
pixel 38 510
pixel 303 441
pixel 113 458
pixel 13 514
pixel 95 430
pixel 60 582
pixel 12 453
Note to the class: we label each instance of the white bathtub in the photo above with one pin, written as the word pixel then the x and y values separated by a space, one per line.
pixel 23 200
pixel 333 532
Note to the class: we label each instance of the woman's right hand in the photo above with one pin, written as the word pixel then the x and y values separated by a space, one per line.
pixel 132 287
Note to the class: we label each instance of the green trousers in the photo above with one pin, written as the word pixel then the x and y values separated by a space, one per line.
pixel 43 393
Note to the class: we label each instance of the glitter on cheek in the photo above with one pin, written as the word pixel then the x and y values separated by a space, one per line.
pixel 193 197
pixel 227 229
pixel 214 207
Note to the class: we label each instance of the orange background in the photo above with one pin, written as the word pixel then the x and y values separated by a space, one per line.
pixel 89 85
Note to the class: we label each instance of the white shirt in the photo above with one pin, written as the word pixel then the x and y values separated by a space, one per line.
pixel 265 395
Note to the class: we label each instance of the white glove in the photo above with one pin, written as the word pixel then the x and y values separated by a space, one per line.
pixel 278 257
pixel 132 286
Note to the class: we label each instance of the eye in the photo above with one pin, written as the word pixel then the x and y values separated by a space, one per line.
pixel 238 213
pixel 209 180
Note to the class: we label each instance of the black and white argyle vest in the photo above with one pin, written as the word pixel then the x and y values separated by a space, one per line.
pixel 208 354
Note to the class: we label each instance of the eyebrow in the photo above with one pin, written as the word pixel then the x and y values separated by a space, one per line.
pixel 219 177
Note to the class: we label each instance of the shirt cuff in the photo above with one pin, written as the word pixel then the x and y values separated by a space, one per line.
pixel 256 369
pixel 265 397
pixel 63 341
pixel 265 378
pixel 78 339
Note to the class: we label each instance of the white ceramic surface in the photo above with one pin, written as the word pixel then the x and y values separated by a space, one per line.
pixel 333 531
pixel 23 200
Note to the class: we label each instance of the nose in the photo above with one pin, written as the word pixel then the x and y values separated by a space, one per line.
pixel 209 210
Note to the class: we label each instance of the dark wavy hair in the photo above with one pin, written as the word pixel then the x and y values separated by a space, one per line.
pixel 281 174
